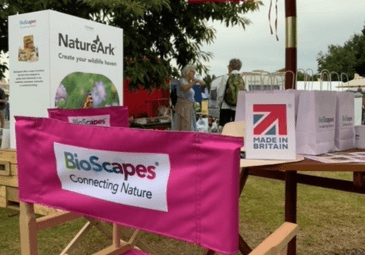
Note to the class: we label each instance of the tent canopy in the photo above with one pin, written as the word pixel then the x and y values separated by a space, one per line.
pixel 358 81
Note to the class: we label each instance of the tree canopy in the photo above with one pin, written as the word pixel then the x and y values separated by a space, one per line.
pixel 157 33
pixel 349 58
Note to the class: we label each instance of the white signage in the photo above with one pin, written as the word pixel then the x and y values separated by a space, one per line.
pixel 61 61
pixel 270 126
pixel 135 179
pixel 100 120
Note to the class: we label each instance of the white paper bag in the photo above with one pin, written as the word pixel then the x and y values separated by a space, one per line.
pixel 315 131
pixel 202 125
pixel 270 126
pixel 360 137
pixel 345 125
pixel 240 108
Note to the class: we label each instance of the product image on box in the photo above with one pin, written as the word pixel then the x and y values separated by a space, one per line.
pixel 86 90
pixel 28 41
pixel 22 56
pixel 29 52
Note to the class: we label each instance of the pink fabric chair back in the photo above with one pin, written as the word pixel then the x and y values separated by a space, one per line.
pixel 182 185
pixel 115 116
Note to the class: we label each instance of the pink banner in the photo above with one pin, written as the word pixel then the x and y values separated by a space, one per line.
pixel 179 184
pixel 114 116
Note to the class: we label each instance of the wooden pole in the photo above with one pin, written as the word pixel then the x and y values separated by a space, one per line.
pixel 290 42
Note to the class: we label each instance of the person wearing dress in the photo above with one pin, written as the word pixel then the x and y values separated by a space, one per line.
pixel 185 117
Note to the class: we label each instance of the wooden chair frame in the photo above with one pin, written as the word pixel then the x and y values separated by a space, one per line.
pixel 29 226
pixel 275 244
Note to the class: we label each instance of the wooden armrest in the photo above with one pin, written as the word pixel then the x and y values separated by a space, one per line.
pixel 277 241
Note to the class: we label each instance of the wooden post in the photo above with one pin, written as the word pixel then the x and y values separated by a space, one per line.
pixel 116 235
pixel 290 42
pixel 291 205
pixel 28 229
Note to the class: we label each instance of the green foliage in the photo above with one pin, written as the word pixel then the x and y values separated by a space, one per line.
pixel 349 58
pixel 156 32
pixel 12 7
pixel 75 88
pixel 208 80
pixel 161 31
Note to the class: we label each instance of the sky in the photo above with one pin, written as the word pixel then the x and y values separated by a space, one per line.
pixel 320 23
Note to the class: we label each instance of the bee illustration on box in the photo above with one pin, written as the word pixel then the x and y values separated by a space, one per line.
pixel 88 103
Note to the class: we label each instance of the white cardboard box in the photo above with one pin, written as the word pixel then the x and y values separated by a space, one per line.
pixel 58 60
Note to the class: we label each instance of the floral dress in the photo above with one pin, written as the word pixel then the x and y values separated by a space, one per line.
pixel 189 95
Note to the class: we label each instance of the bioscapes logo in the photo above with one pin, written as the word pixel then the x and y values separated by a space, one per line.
pixel 325 120
pixel 135 179
pixel 100 120
pixel 94 46
pixel 94 163
pixel 28 22
pixel 346 119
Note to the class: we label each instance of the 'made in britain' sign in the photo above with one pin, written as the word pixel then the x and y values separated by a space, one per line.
pixel 270 126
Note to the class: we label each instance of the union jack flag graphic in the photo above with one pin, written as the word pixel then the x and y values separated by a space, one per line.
pixel 269 119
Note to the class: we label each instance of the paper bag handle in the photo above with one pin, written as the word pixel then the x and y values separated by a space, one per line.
pixel 328 76
pixel 338 76
pixel 312 80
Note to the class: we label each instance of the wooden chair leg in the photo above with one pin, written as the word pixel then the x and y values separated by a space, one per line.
pixel 243 246
pixel 28 229
pixel 243 178
pixel 77 239
pixel 101 228
pixel 209 252
pixel 116 235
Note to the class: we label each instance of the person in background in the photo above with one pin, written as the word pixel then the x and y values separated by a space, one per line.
pixel 185 117
pixel 228 92
pixel 2 107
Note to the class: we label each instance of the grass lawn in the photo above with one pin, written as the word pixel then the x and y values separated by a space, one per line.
pixel 331 222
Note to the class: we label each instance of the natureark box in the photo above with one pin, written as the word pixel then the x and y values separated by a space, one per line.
pixel 58 60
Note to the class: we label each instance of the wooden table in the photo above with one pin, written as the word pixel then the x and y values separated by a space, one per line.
pixel 288 172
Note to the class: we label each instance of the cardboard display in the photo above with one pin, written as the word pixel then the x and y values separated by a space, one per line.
pixel 58 60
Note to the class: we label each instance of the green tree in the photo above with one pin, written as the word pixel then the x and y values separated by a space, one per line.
pixel 12 7
pixel 156 32
pixel 161 31
pixel 208 80
pixel 349 58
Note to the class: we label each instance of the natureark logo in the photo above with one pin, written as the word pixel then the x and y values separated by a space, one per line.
pixel 94 46
pixel 269 119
